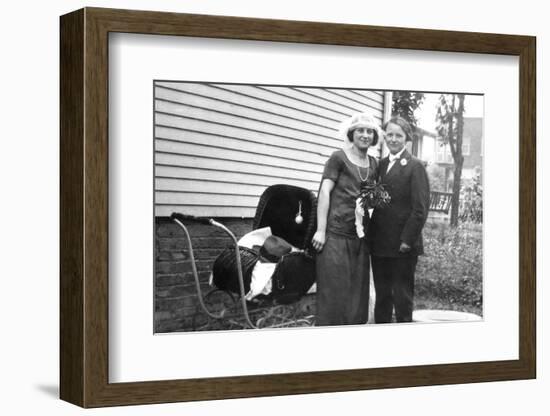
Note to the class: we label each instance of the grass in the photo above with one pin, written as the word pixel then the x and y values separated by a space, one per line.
pixel 263 314
pixel 449 276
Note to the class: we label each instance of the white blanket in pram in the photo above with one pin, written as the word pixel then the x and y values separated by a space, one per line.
pixel 260 281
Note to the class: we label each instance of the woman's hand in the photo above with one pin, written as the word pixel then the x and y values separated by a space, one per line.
pixel 323 202
pixel 318 240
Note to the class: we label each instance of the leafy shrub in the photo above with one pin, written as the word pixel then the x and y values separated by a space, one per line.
pixel 471 201
pixel 436 175
pixel 450 274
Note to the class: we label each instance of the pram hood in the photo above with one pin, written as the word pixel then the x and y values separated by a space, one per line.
pixel 278 208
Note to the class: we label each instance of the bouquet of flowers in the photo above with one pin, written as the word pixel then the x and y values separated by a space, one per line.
pixel 373 195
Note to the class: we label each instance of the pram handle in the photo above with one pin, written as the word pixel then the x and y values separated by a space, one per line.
pixel 183 217
pixel 179 218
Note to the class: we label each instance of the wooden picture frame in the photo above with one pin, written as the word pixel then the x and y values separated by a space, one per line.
pixel 84 207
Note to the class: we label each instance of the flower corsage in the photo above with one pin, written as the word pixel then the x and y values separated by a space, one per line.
pixel 372 195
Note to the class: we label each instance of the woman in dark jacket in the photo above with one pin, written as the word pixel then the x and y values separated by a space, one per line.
pixel 395 231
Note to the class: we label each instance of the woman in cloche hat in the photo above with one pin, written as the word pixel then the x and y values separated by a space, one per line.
pixel 343 256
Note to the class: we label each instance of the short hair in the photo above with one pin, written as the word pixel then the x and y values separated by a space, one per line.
pixel 375 140
pixel 404 124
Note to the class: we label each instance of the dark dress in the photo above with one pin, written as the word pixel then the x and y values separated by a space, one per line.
pixel 343 264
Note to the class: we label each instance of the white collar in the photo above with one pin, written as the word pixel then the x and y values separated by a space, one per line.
pixel 397 155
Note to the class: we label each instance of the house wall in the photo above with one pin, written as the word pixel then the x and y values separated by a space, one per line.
pixel 428 149
pixel 218 146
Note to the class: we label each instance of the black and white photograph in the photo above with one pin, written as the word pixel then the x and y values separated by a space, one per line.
pixel 287 206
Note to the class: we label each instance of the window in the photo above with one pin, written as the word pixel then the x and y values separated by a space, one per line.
pixel 444 154
pixel 466 146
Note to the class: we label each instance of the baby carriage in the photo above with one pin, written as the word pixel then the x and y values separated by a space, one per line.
pixel 290 213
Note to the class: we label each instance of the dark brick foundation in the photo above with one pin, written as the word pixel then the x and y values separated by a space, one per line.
pixel 176 300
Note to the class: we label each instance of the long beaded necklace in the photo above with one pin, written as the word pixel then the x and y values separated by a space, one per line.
pixel 359 172
pixel 359 169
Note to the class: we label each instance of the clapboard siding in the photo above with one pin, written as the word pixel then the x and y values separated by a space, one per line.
pixel 224 176
pixel 205 151
pixel 373 96
pixel 202 186
pixel 205 211
pixel 225 109
pixel 179 113
pixel 286 105
pixel 218 146
pixel 352 97
pixel 206 199
pixel 293 97
pixel 168 124
pixel 241 99
pixel 175 139
pixel 303 96
pixel 337 100
pixel 219 162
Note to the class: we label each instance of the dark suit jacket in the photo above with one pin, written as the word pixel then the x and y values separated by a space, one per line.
pixel 403 218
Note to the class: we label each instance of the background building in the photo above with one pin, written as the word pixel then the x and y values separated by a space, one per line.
pixel 440 161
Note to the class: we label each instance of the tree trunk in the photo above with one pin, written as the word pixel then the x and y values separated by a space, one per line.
pixel 455 198
pixel 458 159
